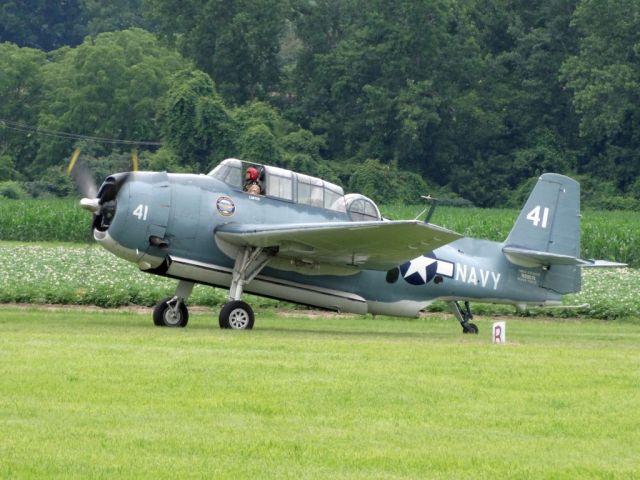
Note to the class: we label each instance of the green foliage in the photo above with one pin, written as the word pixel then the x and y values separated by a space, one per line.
pixel 89 275
pixel 234 41
pixel 12 190
pixel 41 24
pixel 375 180
pixel 418 119
pixel 475 96
pixel 113 15
pixel 166 159
pixel 267 137
pixel 21 91
pixel 301 153
pixel 101 166
pixel 387 184
pixel 260 113
pixel 107 87
pixel 52 182
pixel 603 195
pixel 257 143
pixel 465 93
pixel 411 187
pixel 20 81
pixel 49 25
pixel 603 77
pixel 7 168
pixel 194 120
pixel 303 142
pixel 611 235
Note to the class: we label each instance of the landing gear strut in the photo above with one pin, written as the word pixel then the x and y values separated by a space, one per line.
pixel 236 314
pixel 463 316
pixel 172 311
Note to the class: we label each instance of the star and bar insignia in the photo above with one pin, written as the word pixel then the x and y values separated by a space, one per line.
pixel 423 269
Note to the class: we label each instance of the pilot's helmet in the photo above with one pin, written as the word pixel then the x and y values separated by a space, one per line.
pixel 252 174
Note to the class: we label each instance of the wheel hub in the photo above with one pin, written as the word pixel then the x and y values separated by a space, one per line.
pixel 172 315
pixel 238 319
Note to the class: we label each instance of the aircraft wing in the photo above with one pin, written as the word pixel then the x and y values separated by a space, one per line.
pixel 379 245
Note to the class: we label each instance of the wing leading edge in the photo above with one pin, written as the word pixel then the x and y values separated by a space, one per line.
pixel 371 245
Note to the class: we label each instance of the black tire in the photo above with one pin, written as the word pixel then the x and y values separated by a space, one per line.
pixel 236 315
pixel 471 328
pixel 163 315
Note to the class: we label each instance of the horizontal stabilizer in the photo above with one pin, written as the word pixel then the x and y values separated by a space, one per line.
pixel 603 264
pixel 535 258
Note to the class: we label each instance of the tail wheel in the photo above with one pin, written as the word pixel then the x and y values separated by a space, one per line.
pixel 236 315
pixel 167 314
pixel 471 328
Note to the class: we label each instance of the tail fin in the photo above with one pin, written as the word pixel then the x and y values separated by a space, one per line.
pixel 550 220
pixel 547 233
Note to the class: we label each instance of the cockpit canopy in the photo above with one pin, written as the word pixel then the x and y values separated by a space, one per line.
pixel 361 208
pixel 295 187
pixel 284 184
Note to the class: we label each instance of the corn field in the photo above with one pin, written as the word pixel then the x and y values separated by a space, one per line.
pixel 607 235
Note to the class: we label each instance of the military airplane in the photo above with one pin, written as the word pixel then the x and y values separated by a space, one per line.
pixel 276 233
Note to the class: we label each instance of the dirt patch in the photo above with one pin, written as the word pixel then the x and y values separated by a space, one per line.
pixel 282 312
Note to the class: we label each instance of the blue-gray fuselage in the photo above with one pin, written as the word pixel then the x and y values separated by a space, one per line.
pixel 183 211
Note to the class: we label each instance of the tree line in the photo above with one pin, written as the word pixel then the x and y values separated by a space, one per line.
pixel 469 100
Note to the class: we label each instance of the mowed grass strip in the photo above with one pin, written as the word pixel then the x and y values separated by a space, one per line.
pixel 88 394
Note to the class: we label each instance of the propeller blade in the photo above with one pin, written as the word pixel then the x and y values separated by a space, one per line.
pixel 134 161
pixel 82 177
pixel 74 159
pixel 84 181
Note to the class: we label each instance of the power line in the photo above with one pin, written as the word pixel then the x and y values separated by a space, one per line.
pixel 21 127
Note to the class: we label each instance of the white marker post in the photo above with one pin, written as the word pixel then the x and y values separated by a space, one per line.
pixel 499 332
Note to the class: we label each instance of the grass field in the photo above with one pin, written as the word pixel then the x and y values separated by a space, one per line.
pixel 103 394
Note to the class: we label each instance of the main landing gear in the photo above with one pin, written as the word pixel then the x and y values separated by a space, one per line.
pixel 172 311
pixel 235 314
pixel 463 316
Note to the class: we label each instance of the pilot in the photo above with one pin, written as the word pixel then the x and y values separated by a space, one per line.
pixel 251 182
